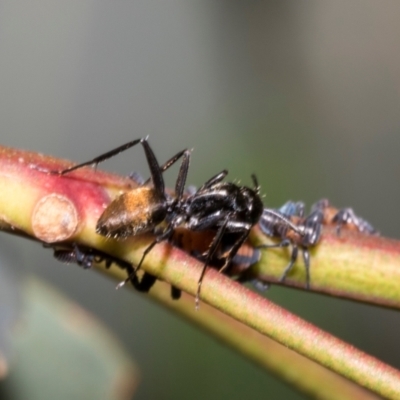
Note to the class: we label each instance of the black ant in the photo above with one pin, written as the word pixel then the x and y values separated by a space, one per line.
pixel 221 206
pixel 84 256
pixel 87 256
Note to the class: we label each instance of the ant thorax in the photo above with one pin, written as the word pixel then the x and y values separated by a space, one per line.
pixel 213 204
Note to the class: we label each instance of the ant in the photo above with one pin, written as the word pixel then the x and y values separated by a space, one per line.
pixel 87 256
pixel 322 214
pixel 343 217
pixel 84 256
pixel 223 207
pixel 310 228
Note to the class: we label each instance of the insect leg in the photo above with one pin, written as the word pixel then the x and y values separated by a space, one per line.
pixel 164 236
pixel 306 258
pixel 298 229
pixel 215 179
pixel 211 251
pixel 234 249
pixel 293 258
pixel 102 157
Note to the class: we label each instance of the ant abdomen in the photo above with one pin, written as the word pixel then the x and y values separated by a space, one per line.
pixel 131 214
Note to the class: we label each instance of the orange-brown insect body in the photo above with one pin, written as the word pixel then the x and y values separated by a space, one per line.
pixel 132 213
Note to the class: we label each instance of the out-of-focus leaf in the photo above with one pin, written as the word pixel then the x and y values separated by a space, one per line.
pixel 62 352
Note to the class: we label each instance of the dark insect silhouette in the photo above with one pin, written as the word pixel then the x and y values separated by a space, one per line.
pixel 343 218
pixel 322 214
pixel 223 207
pixel 85 257
pixel 310 228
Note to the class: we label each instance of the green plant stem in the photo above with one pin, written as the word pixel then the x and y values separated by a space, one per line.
pixel 354 266
pixel 52 208
pixel 303 374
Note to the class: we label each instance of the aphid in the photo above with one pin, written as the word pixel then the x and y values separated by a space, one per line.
pixel 343 218
pixel 310 228
pixel 223 207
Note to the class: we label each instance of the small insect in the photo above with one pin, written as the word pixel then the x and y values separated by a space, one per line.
pixel 222 207
pixel 343 218
pixel 322 214
pixel 310 228
pixel 84 256
pixel 87 256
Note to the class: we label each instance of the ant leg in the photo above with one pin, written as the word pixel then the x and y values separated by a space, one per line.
pixel 298 229
pixel 215 179
pixel 102 157
pixel 132 277
pixel 234 249
pixel 211 251
pixel 146 282
pixel 164 236
pixel 156 171
pixel 293 259
pixel 306 258
pixel 175 293
pixel 169 163
pixel 182 175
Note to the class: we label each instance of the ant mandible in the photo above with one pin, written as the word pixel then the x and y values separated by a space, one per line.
pixel 217 205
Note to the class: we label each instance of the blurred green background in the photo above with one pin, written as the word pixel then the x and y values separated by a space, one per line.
pixel 304 94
